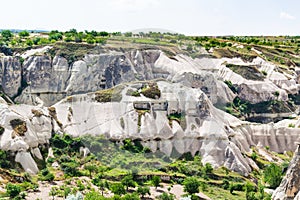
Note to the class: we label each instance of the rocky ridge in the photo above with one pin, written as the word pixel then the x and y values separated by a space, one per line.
pixel 190 88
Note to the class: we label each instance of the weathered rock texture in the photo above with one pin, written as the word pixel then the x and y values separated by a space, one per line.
pixel 290 186
pixel 52 79
pixel 188 87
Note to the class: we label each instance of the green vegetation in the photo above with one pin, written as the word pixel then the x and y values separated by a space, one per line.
pixel 240 108
pixel 156 181
pixel 151 91
pixel 112 169
pixel 13 190
pixel 273 175
pixel 191 185
pixel 109 95
pixel 248 72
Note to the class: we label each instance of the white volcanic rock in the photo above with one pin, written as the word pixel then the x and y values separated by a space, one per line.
pixel 10 75
pixel 218 136
pixel 37 130
pixel 289 187
pixel 53 79
pixel 27 162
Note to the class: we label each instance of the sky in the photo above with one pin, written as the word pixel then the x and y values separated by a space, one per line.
pixel 190 17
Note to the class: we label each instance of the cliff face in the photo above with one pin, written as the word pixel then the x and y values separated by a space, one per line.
pixel 53 79
pixel 10 75
pixel 181 87
pixel 290 185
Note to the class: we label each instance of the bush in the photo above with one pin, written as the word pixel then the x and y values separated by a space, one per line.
pixel 127 181
pixel 165 196
pixel 152 91
pixel 273 175
pixel 93 195
pixel 118 189
pixel 143 191
pixel 70 168
pixel 23 34
pixel 12 190
pixel 4 161
pixel 156 181
pixel 191 185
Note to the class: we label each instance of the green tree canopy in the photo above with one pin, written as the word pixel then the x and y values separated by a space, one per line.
pixel 24 34
pixel 143 191
pixel 6 34
pixel 127 181
pixel 13 190
pixel 156 181
pixel 191 185
pixel 118 189
pixel 273 175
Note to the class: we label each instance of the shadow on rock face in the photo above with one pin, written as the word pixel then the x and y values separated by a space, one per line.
pixel 1 130
pixel 19 126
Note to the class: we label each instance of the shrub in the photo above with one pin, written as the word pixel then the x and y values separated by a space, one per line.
pixel 93 195
pixel 152 91
pixel 23 34
pixel 273 175
pixel 70 168
pixel 191 185
pixel 13 190
pixel 118 189
pixel 127 181
pixel 143 191
pixel 166 196
pixel 156 181
pixel 254 156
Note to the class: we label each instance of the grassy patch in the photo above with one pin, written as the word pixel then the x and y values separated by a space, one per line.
pixel 109 95
pixel 248 72
pixel 71 51
pixel 151 91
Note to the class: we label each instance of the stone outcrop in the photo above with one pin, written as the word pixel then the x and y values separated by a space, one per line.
pixel 23 134
pixel 219 137
pixel 188 88
pixel 42 77
pixel 290 186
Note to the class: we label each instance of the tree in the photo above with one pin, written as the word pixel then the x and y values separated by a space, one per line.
pixel 53 192
pixel 143 191
pixel 133 196
pixel 118 189
pixel 4 161
pixel 273 175
pixel 250 191
pixel 208 168
pixel 103 33
pixel 90 40
pixel 29 42
pixel 156 181
pixel 12 190
pixel 92 195
pixel 24 34
pixel 128 34
pixel 67 191
pixel 102 185
pixel 128 181
pixel 6 34
pixel 91 168
pixel 191 185
pixel 166 196
pixel 70 168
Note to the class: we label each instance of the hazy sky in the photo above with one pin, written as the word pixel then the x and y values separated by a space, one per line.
pixel 191 17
